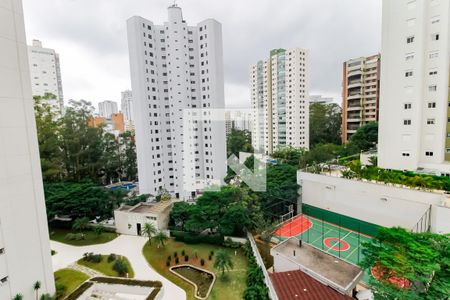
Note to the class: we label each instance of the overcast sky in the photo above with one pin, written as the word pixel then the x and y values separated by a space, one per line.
pixel 90 36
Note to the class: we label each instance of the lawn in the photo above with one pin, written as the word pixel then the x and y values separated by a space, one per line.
pixel 70 279
pixel 106 267
pixel 91 238
pixel 229 288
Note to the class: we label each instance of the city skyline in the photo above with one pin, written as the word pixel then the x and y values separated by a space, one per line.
pixel 94 54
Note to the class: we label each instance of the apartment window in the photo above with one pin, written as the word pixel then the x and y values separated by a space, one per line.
pixel 405 154
pixel 430 121
pixel 431 104
pixel 408 73
pixel 409 56
pixel 407 122
pixel 429 153
pixel 432 88
pixel 2 251
pixel 4 280
pixel 435 37
pixel 435 19
pixel 433 72
pixel 434 54
pixel 447 150
pixel 410 39
pixel 407 105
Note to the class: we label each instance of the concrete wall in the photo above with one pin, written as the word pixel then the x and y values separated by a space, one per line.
pixel 125 218
pixel 375 203
pixel 440 219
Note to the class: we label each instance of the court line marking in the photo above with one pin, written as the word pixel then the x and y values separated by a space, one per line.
pixel 351 253
pixel 338 242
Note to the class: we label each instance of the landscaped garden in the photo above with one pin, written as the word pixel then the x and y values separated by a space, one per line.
pixel 229 286
pixel 81 238
pixel 203 280
pixel 110 265
pixel 67 280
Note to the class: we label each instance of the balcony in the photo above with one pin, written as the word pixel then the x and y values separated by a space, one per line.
pixel 354 96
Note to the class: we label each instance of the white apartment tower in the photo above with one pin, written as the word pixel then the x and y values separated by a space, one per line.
pixel 107 108
pixel 280 100
pixel 24 241
pixel 45 72
pixel 126 105
pixel 176 67
pixel 414 130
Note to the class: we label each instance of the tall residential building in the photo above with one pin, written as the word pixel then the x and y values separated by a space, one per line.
pixel 175 67
pixel 24 240
pixel 360 93
pixel 414 130
pixel 240 119
pixel 45 72
pixel 280 100
pixel 126 105
pixel 320 99
pixel 107 108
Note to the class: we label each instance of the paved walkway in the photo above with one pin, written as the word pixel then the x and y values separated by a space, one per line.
pixel 126 245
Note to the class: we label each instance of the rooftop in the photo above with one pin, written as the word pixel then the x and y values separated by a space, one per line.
pixel 300 286
pixel 147 207
pixel 324 267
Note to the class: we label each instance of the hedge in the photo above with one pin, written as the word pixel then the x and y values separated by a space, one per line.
pixel 79 291
pixel 143 283
pixel 153 294
pixel 192 238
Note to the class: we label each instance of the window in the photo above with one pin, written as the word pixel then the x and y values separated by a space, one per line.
pixel 408 73
pixel 407 105
pixel 447 150
pixel 409 56
pixel 429 153
pixel 432 88
pixel 435 37
pixel 407 122
pixel 405 154
pixel 412 4
pixel 410 39
pixel 435 19
pixel 2 251
pixel 431 104
pixel 430 121
pixel 433 72
pixel 434 54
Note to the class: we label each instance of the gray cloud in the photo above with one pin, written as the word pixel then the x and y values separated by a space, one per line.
pixel 91 38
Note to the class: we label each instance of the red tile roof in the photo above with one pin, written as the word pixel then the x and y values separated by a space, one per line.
pixel 296 285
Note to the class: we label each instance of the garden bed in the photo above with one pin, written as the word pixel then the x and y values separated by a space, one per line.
pixel 202 280
pixel 106 264
pixel 89 237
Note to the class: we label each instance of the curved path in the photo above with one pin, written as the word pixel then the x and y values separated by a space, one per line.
pixel 126 245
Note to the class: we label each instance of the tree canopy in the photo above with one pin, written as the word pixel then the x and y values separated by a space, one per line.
pixel 239 141
pixel 325 121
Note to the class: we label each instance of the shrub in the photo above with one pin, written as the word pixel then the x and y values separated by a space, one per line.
pixel 186 258
pixel 112 257
pixel 182 252
pixel 202 262
pixel 168 263
pixel 169 258
pixel 211 253
pixel 196 254
pixel 121 267
pixel 176 260
pixel 230 244
pixel 175 254
pixel 60 289
pixel 210 257
pixel 126 281
pixel 91 257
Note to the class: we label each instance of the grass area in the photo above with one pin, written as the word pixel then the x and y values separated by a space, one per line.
pixel 106 267
pixel 70 279
pixel 202 279
pixel 91 238
pixel 229 288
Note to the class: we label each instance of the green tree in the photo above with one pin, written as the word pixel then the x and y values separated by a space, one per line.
pixel 149 230
pixel 223 261
pixel 420 260
pixel 129 156
pixel 80 224
pixel 234 220
pixel 160 239
pixel 365 138
pixel 36 287
pixel 18 297
pixel 325 122
pixel 120 266
pixel 239 141
pixel 180 214
pixel 289 155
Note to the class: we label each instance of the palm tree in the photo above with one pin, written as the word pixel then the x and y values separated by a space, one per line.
pixel 149 230
pixel 18 297
pixel 80 224
pixel 223 261
pixel 160 238
pixel 37 286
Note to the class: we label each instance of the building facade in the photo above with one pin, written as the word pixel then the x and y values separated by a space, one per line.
pixel 24 239
pixel 360 93
pixel 45 72
pixel 280 100
pixel 320 99
pixel 240 119
pixel 414 130
pixel 126 105
pixel 174 68
pixel 107 108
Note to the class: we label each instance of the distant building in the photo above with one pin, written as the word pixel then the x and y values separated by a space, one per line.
pixel 107 108
pixel 360 93
pixel 414 128
pixel 320 99
pixel 113 125
pixel 45 74
pixel 24 238
pixel 240 119
pixel 176 67
pixel 118 122
pixel 279 89
pixel 126 105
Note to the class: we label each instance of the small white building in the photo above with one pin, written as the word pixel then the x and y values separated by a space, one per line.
pixel 132 219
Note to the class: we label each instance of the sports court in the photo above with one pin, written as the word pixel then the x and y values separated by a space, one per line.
pixel 331 238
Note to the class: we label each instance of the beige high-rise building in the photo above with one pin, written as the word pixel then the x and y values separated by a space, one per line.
pixel 360 93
